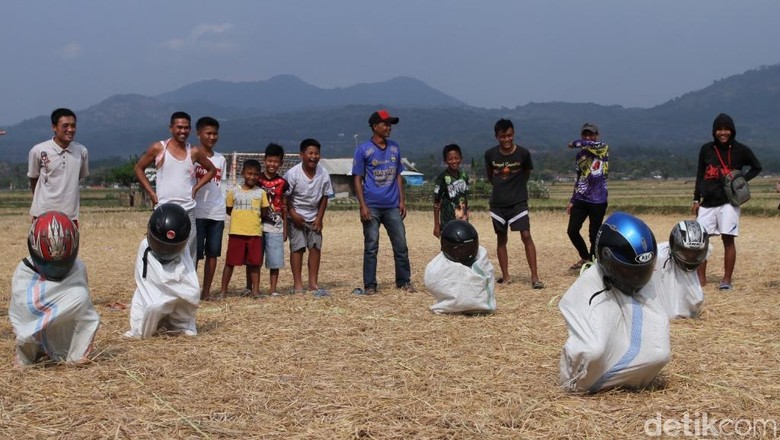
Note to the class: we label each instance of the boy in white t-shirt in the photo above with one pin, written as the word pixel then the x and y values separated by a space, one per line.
pixel 209 204
pixel 310 188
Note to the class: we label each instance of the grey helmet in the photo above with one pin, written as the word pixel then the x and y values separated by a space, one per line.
pixel 688 244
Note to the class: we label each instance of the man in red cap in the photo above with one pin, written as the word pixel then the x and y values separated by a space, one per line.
pixel 376 168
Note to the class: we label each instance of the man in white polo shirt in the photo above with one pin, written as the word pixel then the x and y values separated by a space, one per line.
pixel 55 168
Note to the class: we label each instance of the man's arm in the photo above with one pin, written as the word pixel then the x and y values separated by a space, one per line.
pixel 140 169
pixel 755 165
pixel 211 171
pixel 33 169
pixel 402 198
pixel 365 213
pixel 488 170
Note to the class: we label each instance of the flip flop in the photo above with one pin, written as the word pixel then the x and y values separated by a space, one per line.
pixel 578 265
pixel 725 286
pixel 537 285
pixel 504 282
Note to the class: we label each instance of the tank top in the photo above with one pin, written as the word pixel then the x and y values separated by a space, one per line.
pixel 175 179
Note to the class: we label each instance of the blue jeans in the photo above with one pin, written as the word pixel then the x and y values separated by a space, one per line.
pixel 394 225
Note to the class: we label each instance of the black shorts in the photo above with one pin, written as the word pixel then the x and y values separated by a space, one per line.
pixel 513 218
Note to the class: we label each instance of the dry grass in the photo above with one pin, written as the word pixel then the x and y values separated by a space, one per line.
pixel 384 366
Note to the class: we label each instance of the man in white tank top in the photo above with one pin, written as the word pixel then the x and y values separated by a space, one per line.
pixel 174 161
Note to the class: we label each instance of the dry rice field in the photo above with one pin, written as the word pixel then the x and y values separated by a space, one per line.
pixel 383 367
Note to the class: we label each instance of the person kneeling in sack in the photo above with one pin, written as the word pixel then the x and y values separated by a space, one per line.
pixel 618 332
pixel 167 293
pixel 681 295
pixel 461 277
pixel 51 310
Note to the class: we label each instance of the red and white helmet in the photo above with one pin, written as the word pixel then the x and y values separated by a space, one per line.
pixel 53 243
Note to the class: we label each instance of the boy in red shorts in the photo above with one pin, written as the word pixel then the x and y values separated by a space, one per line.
pixel 245 204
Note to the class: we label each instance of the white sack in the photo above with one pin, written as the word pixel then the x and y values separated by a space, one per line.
pixel 169 295
pixel 616 340
pixel 681 295
pixel 52 317
pixel 461 289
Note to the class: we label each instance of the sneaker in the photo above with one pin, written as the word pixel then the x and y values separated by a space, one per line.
pixel 408 287
pixel 319 293
pixel 366 291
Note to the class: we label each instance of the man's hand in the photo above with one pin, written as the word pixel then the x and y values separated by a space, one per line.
pixel 365 213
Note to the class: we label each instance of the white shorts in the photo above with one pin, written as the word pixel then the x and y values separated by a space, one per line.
pixel 720 220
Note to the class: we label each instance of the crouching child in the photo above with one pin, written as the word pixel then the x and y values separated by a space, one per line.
pixel 618 332
pixel 681 295
pixel 51 310
pixel 460 289
pixel 167 293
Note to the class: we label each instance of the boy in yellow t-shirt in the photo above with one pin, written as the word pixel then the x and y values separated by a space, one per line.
pixel 245 205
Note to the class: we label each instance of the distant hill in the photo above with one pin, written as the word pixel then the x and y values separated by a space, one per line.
pixel 285 109
pixel 286 93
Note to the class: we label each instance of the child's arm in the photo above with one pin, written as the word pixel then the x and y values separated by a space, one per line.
pixel 320 214
pixel 436 221
pixel 296 218
pixel 200 157
pixel 284 218
pixel 436 211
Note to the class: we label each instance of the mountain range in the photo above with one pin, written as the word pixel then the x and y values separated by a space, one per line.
pixel 285 109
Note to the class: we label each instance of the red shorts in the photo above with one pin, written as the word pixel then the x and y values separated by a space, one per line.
pixel 244 250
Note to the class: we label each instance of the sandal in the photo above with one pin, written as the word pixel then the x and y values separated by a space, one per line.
pixel 578 265
pixel 504 282
pixel 537 285
pixel 725 286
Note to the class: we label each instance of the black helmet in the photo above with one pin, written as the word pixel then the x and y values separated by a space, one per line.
pixel 626 251
pixel 53 243
pixel 168 232
pixel 460 242
pixel 688 244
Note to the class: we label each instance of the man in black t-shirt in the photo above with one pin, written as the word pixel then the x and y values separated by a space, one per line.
pixel 508 167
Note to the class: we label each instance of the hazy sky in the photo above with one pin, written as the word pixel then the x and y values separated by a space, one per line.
pixel 75 53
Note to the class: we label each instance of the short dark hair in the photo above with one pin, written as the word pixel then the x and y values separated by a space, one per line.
pixel 450 147
pixel 274 150
pixel 206 121
pixel 61 113
pixel 180 115
pixel 503 125
pixel 309 142
pixel 251 163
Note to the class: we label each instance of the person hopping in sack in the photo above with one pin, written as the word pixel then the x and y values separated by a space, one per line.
pixel 711 205
pixel 167 293
pixel 51 310
pixel 618 331
pixel 460 289
pixel 681 295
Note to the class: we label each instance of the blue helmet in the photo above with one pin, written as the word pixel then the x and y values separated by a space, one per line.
pixel 626 251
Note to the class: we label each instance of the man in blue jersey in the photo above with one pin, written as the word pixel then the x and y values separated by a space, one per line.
pixel 376 168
